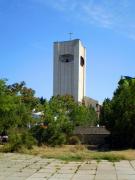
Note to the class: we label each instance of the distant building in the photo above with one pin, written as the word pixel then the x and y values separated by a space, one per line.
pixel 69 69
pixel 37 115
pixel 92 135
pixel 92 103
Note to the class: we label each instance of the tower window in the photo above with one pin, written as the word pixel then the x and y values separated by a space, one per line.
pixel 81 61
pixel 66 58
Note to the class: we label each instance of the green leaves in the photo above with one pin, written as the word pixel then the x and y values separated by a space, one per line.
pixel 13 111
pixel 118 114
pixel 61 114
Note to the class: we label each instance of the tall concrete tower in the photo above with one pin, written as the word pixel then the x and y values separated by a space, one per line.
pixel 69 69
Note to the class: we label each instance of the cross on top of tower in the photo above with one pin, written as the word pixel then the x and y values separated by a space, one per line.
pixel 70 35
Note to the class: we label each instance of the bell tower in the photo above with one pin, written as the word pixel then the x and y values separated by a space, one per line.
pixel 69 69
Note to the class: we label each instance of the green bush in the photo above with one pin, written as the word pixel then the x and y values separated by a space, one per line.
pixel 14 144
pixel 18 140
pixel 27 140
pixel 40 134
pixel 49 136
pixel 57 139
pixel 73 140
pixel 118 114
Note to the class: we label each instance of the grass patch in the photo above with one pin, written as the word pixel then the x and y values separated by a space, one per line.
pixel 71 158
pixel 79 153
pixel 108 156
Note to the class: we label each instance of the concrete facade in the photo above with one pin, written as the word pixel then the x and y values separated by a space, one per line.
pixel 69 69
pixel 89 102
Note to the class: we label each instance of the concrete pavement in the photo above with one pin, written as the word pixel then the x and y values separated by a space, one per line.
pixel 15 166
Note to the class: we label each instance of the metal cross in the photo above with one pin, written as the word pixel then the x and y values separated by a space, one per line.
pixel 70 35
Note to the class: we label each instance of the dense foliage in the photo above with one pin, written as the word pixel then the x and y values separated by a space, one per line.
pixel 118 114
pixel 54 127
pixel 61 115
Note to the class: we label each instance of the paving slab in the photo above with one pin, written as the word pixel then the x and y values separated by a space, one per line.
pixel 66 171
pixel 83 177
pixel 36 178
pixel 126 177
pixel 86 172
pixel 61 176
pixel 41 175
pixel 47 170
pixel 109 177
pixel 15 178
pixel 14 166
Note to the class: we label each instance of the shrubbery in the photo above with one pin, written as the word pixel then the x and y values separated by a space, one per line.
pixel 118 114
pixel 18 140
pixel 73 140
pixel 61 115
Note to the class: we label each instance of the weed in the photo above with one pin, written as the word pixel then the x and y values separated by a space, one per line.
pixel 80 153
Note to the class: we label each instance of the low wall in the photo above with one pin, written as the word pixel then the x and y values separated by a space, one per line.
pixel 94 139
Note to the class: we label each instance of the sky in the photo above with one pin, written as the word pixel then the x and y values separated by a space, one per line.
pixel 28 29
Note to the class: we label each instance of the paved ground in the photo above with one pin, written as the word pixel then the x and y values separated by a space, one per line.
pixel 27 167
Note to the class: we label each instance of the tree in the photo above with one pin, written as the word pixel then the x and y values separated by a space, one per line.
pixel 13 113
pixel 82 115
pixel 26 94
pixel 119 114
pixel 7 107
pixel 57 125
pixel 105 114
pixel 14 117
pixel 61 115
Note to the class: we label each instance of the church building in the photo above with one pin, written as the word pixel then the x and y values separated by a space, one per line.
pixel 69 71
